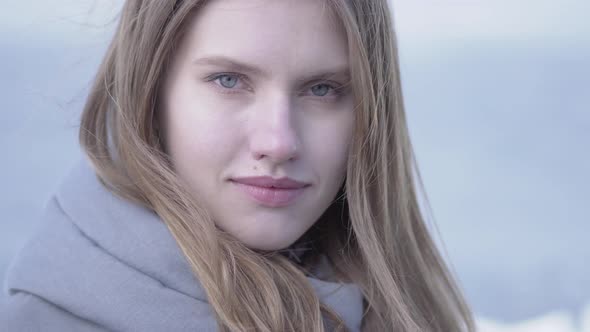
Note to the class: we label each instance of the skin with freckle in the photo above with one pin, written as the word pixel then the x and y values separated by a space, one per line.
pixel 256 90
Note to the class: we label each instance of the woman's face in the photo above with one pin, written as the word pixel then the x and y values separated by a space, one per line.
pixel 258 116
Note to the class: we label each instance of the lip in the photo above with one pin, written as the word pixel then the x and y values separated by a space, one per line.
pixel 269 182
pixel 271 192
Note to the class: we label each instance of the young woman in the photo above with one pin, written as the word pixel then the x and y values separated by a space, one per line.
pixel 249 169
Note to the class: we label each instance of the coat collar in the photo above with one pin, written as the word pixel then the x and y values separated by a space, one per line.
pixel 103 248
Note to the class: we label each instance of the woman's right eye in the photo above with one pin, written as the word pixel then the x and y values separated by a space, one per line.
pixel 228 81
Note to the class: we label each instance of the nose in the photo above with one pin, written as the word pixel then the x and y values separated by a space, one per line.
pixel 273 134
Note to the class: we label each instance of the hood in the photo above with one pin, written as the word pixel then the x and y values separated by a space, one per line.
pixel 115 263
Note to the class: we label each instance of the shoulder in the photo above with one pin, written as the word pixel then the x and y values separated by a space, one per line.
pixel 26 312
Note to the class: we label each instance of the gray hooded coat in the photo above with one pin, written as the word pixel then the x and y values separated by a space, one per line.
pixel 98 263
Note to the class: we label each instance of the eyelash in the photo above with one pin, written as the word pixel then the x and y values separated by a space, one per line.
pixel 336 90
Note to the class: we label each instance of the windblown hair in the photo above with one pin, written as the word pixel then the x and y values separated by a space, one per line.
pixel 373 235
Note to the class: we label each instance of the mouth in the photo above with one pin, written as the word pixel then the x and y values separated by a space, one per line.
pixel 271 192
pixel 269 182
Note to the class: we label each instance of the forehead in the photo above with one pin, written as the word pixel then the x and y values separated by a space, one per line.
pixel 280 35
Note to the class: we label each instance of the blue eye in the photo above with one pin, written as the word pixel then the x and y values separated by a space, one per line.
pixel 227 81
pixel 321 90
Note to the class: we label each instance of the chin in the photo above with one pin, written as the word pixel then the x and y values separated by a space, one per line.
pixel 267 243
pixel 263 232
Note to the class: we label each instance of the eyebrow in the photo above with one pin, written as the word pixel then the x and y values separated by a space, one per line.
pixel 341 71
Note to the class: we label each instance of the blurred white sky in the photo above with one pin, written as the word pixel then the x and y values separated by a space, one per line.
pixel 419 21
pixel 536 20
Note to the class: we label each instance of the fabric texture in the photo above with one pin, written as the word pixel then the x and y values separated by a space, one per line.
pixel 98 262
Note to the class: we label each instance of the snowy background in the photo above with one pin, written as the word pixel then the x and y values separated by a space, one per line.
pixel 498 101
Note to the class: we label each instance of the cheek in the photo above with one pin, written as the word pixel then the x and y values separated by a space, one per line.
pixel 329 144
pixel 197 130
pixel 189 135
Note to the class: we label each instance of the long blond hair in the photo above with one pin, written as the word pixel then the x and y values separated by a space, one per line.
pixel 374 235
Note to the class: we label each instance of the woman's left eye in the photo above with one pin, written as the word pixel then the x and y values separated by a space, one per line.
pixel 321 90
pixel 326 90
